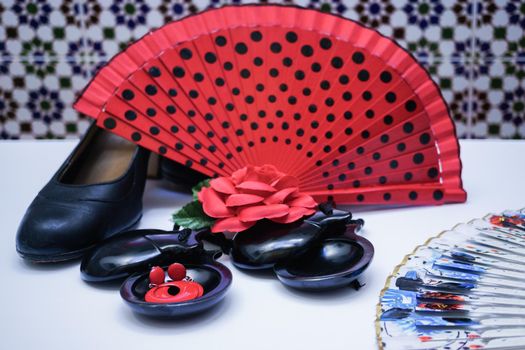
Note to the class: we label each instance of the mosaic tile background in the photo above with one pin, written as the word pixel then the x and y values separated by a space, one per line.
pixel 474 49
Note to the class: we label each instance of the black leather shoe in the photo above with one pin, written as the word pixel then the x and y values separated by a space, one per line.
pixel 179 174
pixel 96 193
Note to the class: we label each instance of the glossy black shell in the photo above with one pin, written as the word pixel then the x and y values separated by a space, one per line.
pixel 268 243
pixel 136 251
pixel 335 262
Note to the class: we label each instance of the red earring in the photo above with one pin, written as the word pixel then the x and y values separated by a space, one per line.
pixel 156 276
pixel 177 272
pixel 180 288
pixel 174 292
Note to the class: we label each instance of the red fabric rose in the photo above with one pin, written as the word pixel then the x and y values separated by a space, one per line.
pixel 254 193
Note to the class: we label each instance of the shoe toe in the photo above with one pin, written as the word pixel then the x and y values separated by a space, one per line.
pixel 53 231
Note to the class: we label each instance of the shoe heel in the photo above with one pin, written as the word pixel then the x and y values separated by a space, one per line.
pixel 154 166
pixel 179 174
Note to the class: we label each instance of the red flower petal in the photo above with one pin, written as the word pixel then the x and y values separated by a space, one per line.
pixel 285 182
pixel 213 205
pixel 232 224
pixel 254 193
pixel 251 175
pixel 268 173
pixel 303 200
pixel 223 185
pixel 236 200
pixel 294 214
pixel 239 175
pixel 280 196
pixel 199 195
pixel 263 212
pixel 255 186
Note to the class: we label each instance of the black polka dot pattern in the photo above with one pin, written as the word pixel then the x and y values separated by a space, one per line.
pixel 291 37
pixel 210 57
pixel 241 48
pixel 130 115
pixel 386 77
pixel 186 54
pixel 363 75
pixel 151 112
pixel 151 90
pixel 136 136
pixel 275 47
pixel 307 51
pixel 325 43
pixel 128 95
pixel 179 72
pixel 390 97
pixel 319 102
pixel 110 123
pixel 220 41
pixel 154 72
pixel 358 57
pixel 256 36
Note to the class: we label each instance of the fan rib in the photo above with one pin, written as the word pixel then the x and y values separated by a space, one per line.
pixel 426 129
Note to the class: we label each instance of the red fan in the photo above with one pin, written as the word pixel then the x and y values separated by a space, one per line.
pixel 345 110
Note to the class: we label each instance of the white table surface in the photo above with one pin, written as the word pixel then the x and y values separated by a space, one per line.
pixel 50 307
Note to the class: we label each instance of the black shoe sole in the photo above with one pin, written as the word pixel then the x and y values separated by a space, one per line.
pixel 45 259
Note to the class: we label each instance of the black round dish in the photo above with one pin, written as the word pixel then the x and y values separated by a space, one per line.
pixel 214 277
pixel 335 262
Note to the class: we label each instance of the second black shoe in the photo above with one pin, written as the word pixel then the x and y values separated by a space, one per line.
pixel 96 193
pixel 179 174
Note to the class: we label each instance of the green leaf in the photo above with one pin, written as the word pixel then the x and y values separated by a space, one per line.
pixel 196 189
pixel 192 216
